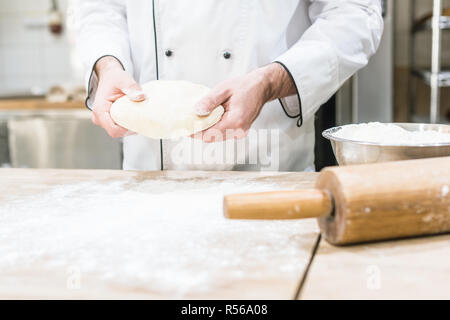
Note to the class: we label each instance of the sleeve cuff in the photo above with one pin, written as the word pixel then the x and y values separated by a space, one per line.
pixel 313 66
pixel 93 82
pixel 292 105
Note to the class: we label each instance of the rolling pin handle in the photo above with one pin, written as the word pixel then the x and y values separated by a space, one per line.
pixel 295 204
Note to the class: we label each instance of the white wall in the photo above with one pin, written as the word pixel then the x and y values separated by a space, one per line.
pixel 30 56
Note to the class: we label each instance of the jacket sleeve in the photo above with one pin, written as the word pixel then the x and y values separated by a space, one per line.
pixel 102 31
pixel 342 37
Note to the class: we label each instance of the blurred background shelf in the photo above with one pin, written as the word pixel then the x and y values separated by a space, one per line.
pixel 434 75
pixel 425 75
pixel 38 104
pixel 425 119
pixel 425 23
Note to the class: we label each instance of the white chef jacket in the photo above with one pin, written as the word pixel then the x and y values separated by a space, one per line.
pixel 321 43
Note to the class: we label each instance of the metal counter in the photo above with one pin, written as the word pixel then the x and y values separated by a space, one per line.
pixel 56 139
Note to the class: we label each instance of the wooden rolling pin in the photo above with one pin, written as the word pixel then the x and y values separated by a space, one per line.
pixel 362 203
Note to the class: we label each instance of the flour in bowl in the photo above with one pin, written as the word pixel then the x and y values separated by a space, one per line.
pixel 382 133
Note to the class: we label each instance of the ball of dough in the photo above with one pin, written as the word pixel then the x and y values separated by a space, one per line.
pixel 168 111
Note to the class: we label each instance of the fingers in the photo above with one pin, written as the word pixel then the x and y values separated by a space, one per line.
pixel 115 84
pixel 229 127
pixel 104 120
pixel 213 99
pixel 133 91
pixel 207 134
pixel 114 130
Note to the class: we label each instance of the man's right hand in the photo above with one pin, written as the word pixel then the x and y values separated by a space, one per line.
pixel 113 83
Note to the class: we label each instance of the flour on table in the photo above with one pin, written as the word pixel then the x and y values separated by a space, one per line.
pixel 144 235
pixel 382 133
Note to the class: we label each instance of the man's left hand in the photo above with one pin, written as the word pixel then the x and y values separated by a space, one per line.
pixel 243 98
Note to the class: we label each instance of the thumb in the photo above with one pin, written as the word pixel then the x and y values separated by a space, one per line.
pixel 209 102
pixel 134 91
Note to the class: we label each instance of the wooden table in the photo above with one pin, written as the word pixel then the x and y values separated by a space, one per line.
pixel 411 268
pixel 416 268
pixel 263 270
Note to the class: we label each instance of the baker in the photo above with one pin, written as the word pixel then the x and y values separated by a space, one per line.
pixel 270 64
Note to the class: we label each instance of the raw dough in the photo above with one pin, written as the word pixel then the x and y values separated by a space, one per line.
pixel 168 112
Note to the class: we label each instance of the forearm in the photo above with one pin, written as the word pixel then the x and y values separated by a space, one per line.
pixel 105 64
pixel 277 82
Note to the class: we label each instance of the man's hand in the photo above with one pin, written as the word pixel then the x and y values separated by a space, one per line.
pixel 242 99
pixel 113 83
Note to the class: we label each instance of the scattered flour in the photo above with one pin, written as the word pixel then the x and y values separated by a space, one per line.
pixel 376 132
pixel 145 236
pixel 445 190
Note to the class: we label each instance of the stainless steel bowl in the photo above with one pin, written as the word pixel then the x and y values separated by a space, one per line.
pixel 358 152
